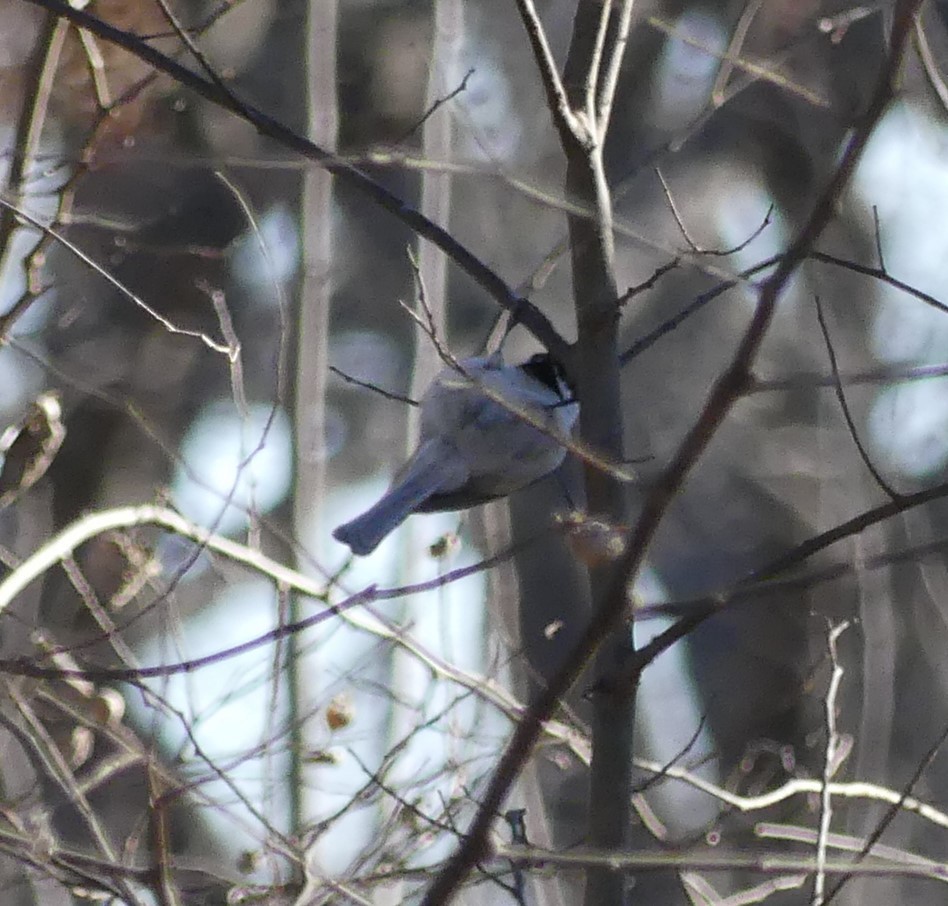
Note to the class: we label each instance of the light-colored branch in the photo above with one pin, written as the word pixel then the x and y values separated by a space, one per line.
pixel 830 762
pixel 846 842
pixel 733 54
pixel 595 66
pixel 61 547
pixel 607 92
pixel 800 786
pixel 718 861
pixel 702 893
pixel 753 70
pixel 564 117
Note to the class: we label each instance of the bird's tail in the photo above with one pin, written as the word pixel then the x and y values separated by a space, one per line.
pixel 430 470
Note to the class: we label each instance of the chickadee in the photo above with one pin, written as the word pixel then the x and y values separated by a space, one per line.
pixel 472 447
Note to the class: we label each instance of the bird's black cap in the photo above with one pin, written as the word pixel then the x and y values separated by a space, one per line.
pixel 547 370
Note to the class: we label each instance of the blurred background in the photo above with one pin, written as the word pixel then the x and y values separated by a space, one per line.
pixel 197 308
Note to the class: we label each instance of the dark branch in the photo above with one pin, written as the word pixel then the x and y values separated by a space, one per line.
pixel 726 391
pixel 841 397
pixel 523 310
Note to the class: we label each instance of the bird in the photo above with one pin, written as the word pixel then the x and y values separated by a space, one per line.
pixel 476 442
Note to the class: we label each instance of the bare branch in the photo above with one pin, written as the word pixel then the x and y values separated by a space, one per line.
pixel 595 62
pixel 646 285
pixel 521 309
pixel 560 108
pixel 732 56
pixel 841 397
pixel 752 70
pixel 388 394
pixel 435 106
pixel 616 51
pixel 766 863
pixel 879 273
pixel 830 762
pixel 698 250
pixel 115 282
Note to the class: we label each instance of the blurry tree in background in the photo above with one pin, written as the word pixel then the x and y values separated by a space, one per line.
pixel 704 663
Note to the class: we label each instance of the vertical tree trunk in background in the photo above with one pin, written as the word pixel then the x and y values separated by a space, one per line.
pixel 311 324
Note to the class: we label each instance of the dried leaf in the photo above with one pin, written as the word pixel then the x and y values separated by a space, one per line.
pixel 29 447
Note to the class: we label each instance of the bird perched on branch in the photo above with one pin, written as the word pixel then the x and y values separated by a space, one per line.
pixel 487 430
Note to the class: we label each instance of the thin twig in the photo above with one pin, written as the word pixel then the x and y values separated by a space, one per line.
pixel 184 36
pixel 733 53
pixel 762 590
pixel 672 323
pixel 646 285
pixel 841 397
pixel 879 274
pixel 830 762
pixel 388 394
pixel 675 321
pixel 218 300
pixel 698 250
pixel 665 770
pixel 279 291
pixel 766 830
pixel 159 839
pixel 97 73
pixel 877 235
pixel 435 106
pixel 753 71
pixel 115 282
